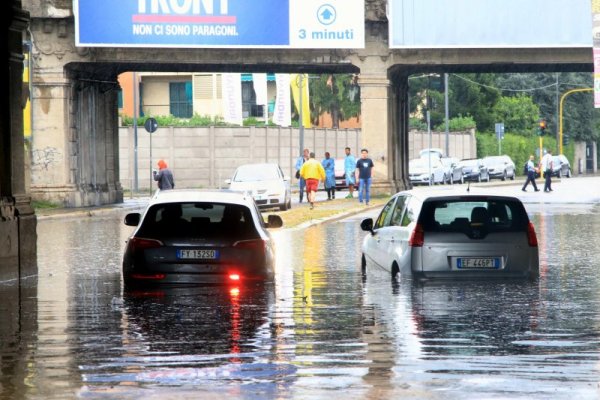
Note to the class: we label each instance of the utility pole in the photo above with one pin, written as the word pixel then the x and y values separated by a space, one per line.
pixel 135 133
pixel 447 114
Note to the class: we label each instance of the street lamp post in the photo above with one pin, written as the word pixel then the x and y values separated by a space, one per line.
pixel 560 114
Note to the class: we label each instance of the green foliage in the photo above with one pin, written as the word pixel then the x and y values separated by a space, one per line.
pixel 195 121
pixel 338 94
pixel 518 113
pixel 458 124
pixel 519 147
pixel 43 205
pixel 416 123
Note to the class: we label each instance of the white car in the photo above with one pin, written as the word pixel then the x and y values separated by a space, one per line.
pixel 426 170
pixel 458 236
pixel 265 182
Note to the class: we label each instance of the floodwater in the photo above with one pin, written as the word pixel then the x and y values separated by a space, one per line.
pixel 321 330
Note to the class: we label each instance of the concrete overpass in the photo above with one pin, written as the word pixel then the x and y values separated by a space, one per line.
pixel 74 98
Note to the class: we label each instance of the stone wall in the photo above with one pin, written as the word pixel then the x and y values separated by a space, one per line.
pixel 204 157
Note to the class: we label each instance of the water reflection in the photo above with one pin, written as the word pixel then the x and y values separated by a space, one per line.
pixel 320 329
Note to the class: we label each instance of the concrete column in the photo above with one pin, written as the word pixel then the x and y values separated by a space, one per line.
pixel 376 128
pixel 17 218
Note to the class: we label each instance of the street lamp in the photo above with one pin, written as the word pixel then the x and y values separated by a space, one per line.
pixel 560 114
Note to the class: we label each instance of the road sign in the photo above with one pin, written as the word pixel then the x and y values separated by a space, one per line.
pixel 500 130
pixel 151 125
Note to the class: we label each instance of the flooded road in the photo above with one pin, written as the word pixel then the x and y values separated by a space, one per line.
pixel 321 330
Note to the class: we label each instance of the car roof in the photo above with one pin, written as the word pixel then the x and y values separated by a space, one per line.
pixel 424 195
pixel 195 195
pixel 259 165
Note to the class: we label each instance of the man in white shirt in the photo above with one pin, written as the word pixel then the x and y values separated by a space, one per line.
pixel 547 168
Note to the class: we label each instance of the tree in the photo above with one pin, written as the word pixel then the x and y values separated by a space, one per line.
pixel 519 114
pixel 339 95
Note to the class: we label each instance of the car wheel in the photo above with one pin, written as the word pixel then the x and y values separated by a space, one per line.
pixel 569 173
pixel 512 177
pixel 284 206
pixel 504 176
pixel 395 271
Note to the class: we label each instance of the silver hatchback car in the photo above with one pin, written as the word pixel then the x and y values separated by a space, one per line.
pixel 441 236
pixel 195 236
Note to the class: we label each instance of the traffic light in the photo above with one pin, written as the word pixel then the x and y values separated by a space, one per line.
pixel 542 127
pixel 565 140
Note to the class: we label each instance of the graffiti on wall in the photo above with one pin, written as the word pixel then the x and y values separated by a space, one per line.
pixel 42 159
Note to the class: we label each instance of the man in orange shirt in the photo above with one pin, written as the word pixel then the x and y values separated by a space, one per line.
pixel 312 172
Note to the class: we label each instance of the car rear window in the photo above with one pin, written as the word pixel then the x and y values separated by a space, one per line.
pixel 198 220
pixel 458 215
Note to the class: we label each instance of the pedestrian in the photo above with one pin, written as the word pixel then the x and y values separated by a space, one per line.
pixel 301 182
pixel 530 175
pixel 547 167
pixel 164 176
pixel 363 168
pixel 329 167
pixel 349 169
pixel 312 171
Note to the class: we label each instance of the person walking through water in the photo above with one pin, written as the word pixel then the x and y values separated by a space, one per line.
pixel 164 176
pixel 301 182
pixel 530 175
pixel 329 167
pixel 547 167
pixel 363 167
pixel 312 171
pixel 350 169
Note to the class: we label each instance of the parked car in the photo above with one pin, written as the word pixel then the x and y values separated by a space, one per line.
pixel 500 167
pixel 340 174
pixel 474 170
pixel 431 151
pixel 426 170
pixel 195 236
pixel 266 183
pixel 453 172
pixel 561 166
pixel 460 236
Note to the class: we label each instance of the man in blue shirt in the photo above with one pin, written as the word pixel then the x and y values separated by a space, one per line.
pixel 350 169
pixel 363 169
pixel 530 175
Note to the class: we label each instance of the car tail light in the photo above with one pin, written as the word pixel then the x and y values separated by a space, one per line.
pixel 417 237
pixel 531 236
pixel 143 244
pixel 234 277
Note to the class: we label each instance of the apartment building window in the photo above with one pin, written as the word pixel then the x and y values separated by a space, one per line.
pixel 180 99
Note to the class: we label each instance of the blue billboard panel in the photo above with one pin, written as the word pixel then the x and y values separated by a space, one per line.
pixel 489 23
pixel 218 23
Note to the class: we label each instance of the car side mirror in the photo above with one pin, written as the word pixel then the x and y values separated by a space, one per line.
pixel 274 221
pixel 132 219
pixel 367 225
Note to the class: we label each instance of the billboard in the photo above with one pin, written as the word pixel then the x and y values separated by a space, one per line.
pixel 220 23
pixel 489 23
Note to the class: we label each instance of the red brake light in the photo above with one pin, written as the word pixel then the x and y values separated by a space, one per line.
pixel 234 277
pixel 142 244
pixel 531 236
pixel 417 237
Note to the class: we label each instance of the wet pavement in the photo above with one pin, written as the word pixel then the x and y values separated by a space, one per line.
pixel 321 330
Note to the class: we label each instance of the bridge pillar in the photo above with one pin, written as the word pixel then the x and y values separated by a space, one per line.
pixel 384 109
pixel 376 127
pixel 17 217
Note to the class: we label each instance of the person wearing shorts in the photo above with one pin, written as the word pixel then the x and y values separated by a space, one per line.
pixel 312 172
